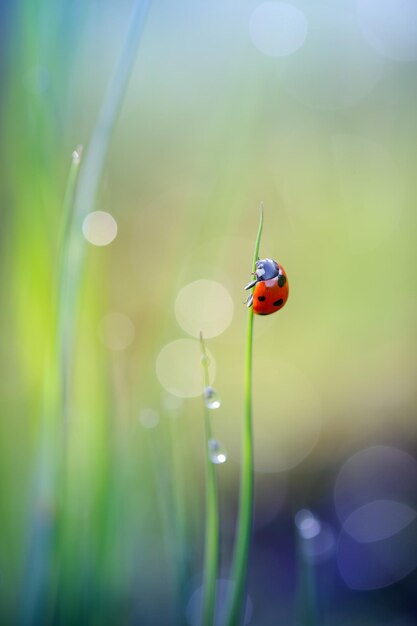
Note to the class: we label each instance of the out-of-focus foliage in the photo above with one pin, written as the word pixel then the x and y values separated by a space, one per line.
pixel 309 107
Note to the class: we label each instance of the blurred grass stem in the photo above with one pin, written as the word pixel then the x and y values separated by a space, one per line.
pixel 181 517
pixel 211 548
pixel 89 180
pixel 79 200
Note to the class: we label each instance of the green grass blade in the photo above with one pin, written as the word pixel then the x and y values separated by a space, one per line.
pixel 245 512
pixel 79 201
pixel 211 548
pixel 90 177
pixel 307 613
pixel 96 154
pixel 47 473
pixel 181 521
pixel 64 339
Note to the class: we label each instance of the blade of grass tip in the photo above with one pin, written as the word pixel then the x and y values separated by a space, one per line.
pixel 245 511
pixel 211 547
pixel 111 105
pixel 90 177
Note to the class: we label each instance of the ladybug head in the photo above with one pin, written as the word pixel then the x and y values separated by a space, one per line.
pixel 266 269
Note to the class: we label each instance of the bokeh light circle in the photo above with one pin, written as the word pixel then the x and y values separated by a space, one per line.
pixel 206 306
pixel 377 564
pixel 378 520
pixel 321 547
pixel 335 68
pixel 317 538
pixel 99 228
pixel 376 498
pixel 116 331
pixel 308 525
pixel 172 405
pixel 390 26
pixel 375 473
pixel 278 29
pixel 179 370
pixel 149 418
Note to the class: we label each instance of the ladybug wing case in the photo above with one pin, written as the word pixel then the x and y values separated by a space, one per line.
pixel 270 295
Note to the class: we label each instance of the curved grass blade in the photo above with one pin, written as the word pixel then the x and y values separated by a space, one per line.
pixel 90 177
pixel 79 200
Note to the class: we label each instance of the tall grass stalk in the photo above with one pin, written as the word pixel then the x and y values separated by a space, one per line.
pixel 307 613
pixel 211 547
pixel 179 503
pixel 90 177
pixel 245 511
pixel 63 334
pixel 51 451
pixel 79 201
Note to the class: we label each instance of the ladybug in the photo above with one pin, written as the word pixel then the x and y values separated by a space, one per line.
pixel 271 287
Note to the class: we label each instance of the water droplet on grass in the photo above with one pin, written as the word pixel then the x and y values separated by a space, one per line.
pixel 217 452
pixel 211 398
pixel 204 360
pixel 76 154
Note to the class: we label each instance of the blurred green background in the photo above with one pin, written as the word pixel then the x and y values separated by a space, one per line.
pixel 308 107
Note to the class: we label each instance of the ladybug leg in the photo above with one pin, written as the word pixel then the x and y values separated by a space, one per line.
pixel 251 284
pixel 249 301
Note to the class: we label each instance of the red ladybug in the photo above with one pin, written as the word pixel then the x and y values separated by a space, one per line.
pixel 271 287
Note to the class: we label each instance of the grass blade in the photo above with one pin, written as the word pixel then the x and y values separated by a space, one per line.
pixel 211 548
pixel 245 512
pixel 79 200
pixel 306 597
pixel 90 177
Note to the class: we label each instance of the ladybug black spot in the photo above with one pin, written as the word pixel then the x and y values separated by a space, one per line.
pixel 279 302
pixel 281 280
pixel 261 298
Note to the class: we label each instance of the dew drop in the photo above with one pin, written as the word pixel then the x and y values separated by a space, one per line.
pixel 217 453
pixel 211 398
pixel 204 360
pixel 76 154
